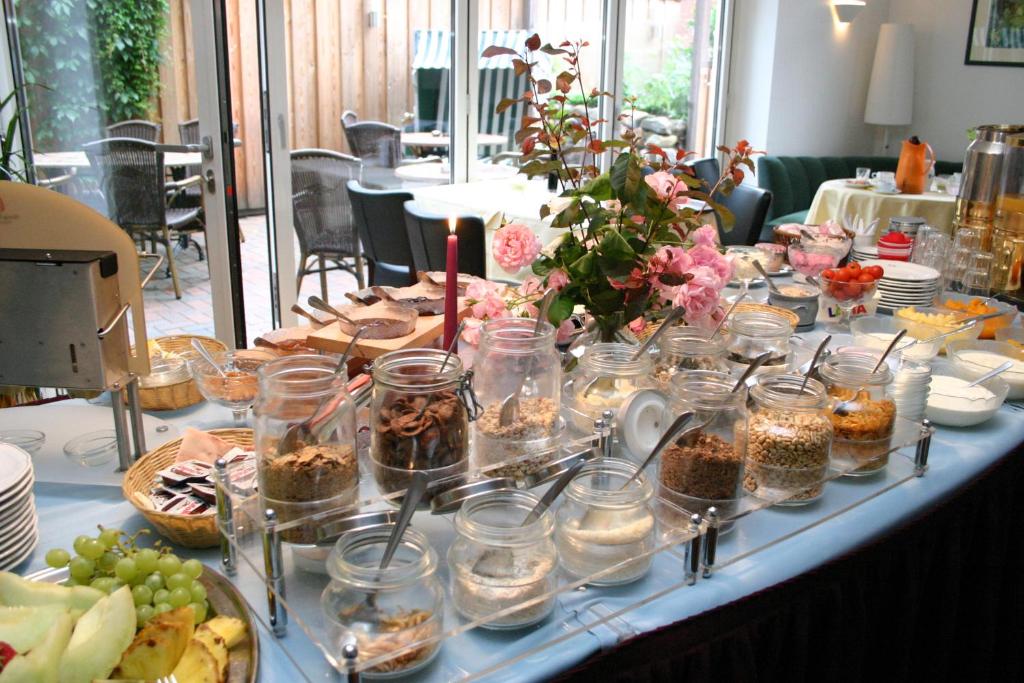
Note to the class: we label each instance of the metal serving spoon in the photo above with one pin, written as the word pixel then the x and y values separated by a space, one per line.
pixel 839 408
pixel 321 305
pixel 444 363
pixel 764 274
pixel 814 361
pixel 721 323
pixel 510 404
pixel 201 350
pixel 991 373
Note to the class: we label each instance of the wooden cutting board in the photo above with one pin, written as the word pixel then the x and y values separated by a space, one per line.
pixel 428 328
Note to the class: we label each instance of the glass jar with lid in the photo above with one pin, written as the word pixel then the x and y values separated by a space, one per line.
pixel 864 416
pixel 604 528
pixel 705 468
pixel 418 418
pixel 515 361
pixel 752 333
pixel 789 437
pixel 683 349
pixel 396 611
pixel 605 376
pixel 497 562
pixel 317 469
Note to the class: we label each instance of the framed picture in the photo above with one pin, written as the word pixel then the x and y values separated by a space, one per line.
pixel 996 36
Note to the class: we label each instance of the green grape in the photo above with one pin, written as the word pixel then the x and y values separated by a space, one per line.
pixel 168 565
pixel 179 580
pixel 103 583
pixel 144 613
pixel 180 597
pixel 109 537
pixel 161 595
pixel 146 560
pixel 116 583
pixel 162 607
pixel 199 610
pixel 92 549
pixel 193 568
pixel 125 569
pixel 79 543
pixel 154 580
pixel 57 558
pixel 81 568
pixel 107 561
pixel 198 591
pixel 142 595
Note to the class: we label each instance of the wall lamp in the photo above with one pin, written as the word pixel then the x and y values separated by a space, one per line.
pixel 847 10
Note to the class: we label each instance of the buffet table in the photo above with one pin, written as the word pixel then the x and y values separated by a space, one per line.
pixel 835 200
pixel 812 591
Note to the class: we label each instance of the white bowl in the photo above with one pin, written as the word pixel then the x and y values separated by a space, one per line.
pixel 976 357
pixel 974 411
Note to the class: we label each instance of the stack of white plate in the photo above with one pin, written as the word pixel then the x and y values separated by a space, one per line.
pixel 863 253
pixel 18 532
pixel 905 284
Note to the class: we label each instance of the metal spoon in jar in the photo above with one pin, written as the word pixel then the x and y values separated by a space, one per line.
pixel 991 373
pixel 321 305
pixel 814 361
pixel 839 408
pixel 721 323
pixel 751 369
pixel 444 363
pixel 510 404
pixel 670 436
pixel 764 274
pixel 300 433
pixel 201 350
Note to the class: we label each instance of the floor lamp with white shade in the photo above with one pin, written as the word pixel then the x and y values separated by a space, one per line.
pixel 891 92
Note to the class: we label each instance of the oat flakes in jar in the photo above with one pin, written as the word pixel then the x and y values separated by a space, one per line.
pixel 683 349
pixel 789 436
pixel 515 361
pixel 604 378
pixel 318 470
pixel 602 527
pixel 865 416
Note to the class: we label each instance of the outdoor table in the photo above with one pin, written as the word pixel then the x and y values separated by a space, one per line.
pixel 835 200
pixel 438 172
pixel 78 159
pixel 427 139
pixel 918 582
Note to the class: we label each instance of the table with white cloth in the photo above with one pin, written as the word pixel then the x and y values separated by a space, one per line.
pixel 72 500
pixel 835 200
pixel 438 172
pixel 78 159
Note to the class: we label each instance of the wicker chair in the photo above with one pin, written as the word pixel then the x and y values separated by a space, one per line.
pixel 135 128
pixel 323 213
pixel 380 219
pixel 376 143
pixel 348 117
pixel 428 239
pixel 138 195
pixel 188 133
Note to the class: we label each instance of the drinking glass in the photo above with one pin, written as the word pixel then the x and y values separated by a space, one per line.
pixel 968 238
pixel 863 173
pixel 743 267
pixel 956 267
pixel 977 279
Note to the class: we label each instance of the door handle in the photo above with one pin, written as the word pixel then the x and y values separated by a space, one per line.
pixel 211 180
pixel 205 147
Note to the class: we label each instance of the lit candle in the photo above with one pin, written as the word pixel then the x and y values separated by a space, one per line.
pixel 451 284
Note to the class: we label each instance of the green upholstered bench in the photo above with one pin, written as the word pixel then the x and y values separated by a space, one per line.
pixel 793 181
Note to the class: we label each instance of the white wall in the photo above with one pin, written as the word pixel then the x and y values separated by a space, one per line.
pixel 798 79
pixel 950 96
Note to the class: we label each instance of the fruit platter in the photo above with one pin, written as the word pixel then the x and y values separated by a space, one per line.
pixel 117 610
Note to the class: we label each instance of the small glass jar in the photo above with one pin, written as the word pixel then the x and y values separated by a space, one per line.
pixel 496 562
pixel 706 469
pixel 600 525
pixel 789 437
pixel 753 333
pixel 605 376
pixel 320 471
pixel 398 609
pixel 513 360
pixel 683 349
pixel 865 416
pixel 418 420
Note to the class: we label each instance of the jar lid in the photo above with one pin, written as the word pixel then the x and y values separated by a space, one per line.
pixel 165 371
pixel 330 531
pixel 853 365
pixel 553 470
pixel 641 419
pixel 453 498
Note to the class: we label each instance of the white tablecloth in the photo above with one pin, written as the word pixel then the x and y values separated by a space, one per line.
pixel 835 200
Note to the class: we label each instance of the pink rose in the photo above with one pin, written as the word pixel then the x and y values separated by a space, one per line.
pixel 490 307
pixel 665 185
pixel 515 246
pixel 531 285
pixel 709 257
pixel 699 296
pixel 565 331
pixel 471 332
pixel 558 279
pixel 637 325
pixel 478 289
pixel 706 235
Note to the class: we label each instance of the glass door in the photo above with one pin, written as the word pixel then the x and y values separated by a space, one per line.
pixel 122 107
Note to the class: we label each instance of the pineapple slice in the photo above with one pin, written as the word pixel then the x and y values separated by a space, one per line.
pixel 230 629
pixel 157 646
pixel 198 665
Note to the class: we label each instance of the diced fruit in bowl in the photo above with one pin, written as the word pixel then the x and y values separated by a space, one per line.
pixel 877 332
pixel 973 305
pixel 1011 335
pixel 925 322
pixel 851 282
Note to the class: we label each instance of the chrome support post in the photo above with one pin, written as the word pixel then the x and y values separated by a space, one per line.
pixel 135 415
pixel 273 566
pixel 711 541
pixel 225 519
pixel 350 653
pixel 124 453
pixel 921 452
pixel 693 555
pixel 609 427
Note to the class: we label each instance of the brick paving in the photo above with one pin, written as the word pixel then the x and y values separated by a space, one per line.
pixel 193 313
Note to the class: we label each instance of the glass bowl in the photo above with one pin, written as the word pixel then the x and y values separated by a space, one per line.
pixel 811 259
pixel 28 440
pixel 973 305
pixel 92 449
pixel 942 405
pixel 877 331
pixel 238 386
pixel 975 357
pixel 925 322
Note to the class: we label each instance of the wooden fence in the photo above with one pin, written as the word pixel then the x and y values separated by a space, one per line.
pixel 341 57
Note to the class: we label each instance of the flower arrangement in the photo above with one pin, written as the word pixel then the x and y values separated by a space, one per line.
pixel 634 243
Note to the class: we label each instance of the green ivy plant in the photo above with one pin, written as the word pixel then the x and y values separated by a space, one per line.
pixel 90 63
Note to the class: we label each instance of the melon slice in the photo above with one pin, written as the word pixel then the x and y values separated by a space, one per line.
pixel 41 665
pixel 101 636
pixel 25 627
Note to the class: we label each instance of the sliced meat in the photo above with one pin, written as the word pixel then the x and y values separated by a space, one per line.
pixel 426 298
pixel 383 320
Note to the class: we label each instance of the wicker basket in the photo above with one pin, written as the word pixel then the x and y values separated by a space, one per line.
pixel 181 394
pixel 184 530
pixel 789 315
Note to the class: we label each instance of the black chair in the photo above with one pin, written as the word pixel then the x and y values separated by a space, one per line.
pixel 708 170
pixel 428 239
pixel 135 128
pixel 138 194
pixel 380 221
pixel 749 205
pixel 322 213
